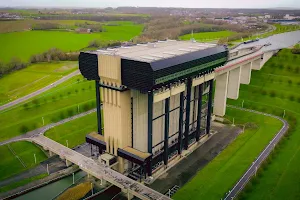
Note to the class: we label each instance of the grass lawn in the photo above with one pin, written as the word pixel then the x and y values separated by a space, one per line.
pixel 21 183
pixel 32 78
pixel 278 91
pixel 279 29
pixel 25 25
pixel 73 131
pixel 10 165
pixel 55 104
pixel 207 36
pixel 25 44
pixel 213 181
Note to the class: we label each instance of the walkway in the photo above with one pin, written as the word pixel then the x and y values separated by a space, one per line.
pixel 99 170
pixel 33 94
pixel 263 155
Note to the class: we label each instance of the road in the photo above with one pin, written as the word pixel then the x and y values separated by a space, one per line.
pixel 259 160
pixel 33 94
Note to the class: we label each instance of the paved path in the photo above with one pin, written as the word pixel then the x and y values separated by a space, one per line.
pixel 33 94
pixel 263 155
pixel 43 129
pixel 99 170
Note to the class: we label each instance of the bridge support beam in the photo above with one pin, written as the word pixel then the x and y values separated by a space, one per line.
pixel 221 94
pixel 68 163
pixel 246 73
pixel 234 83
pixel 51 153
pixel 266 57
pixel 256 64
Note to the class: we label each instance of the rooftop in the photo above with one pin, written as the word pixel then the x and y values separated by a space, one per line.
pixel 152 52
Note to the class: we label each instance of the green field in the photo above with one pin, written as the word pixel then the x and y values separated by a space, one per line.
pixel 24 44
pixel 218 177
pixel 279 29
pixel 32 78
pixel 25 25
pixel 207 36
pixel 73 131
pixel 21 183
pixel 273 89
pixel 10 165
pixel 53 105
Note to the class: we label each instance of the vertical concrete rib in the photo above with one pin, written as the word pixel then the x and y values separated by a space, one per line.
pixel 246 73
pixel 234 83
pixel 166 139
pixel 150 123
pixel 221 94
pixel 181 107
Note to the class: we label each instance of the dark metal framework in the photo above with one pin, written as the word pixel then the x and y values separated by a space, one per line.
pixel 190 130
pixel 98 104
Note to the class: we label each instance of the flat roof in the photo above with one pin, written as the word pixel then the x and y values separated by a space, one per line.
pixel 155 51
pixel 136 152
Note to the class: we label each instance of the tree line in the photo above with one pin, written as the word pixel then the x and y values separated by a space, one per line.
pixel 52 54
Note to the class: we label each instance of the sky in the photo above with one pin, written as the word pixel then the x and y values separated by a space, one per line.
pixel 155 3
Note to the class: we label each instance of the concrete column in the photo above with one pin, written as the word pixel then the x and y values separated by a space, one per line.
pixel 51 153
pixel 234 83
pixel 246 73
pixel 68 163
pixel 221 94
pixel 266 57
pixel 256 64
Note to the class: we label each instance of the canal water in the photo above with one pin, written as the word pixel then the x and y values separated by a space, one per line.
pixel 51 190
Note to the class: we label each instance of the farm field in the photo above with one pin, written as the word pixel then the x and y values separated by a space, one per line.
pixel 32 78
pixel 68 99
pixel 218 177
pixel 207 36
pixel 73 131
pixel 279 29
pixel 10 165
pixel 25 44
pixel 25 25
pixel 278 91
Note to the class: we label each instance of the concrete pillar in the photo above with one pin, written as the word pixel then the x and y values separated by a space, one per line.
pixel 266 57
pixel 234 83
pixel 68 163
pixel 256 64
pixel 51 153
pixel 221 94
pixel 246 73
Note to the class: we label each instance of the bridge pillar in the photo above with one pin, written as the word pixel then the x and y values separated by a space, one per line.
pixel 221 94
pixel 246 73
pixel 256 64
pixel 68 163
pixel 266 57
pixel 234 83
pixel 51 153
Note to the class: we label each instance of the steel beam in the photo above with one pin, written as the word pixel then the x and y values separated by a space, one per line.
pixel 199 112
pixel 98 104
pixel 187 113
pixel 166 141
pixel 211 86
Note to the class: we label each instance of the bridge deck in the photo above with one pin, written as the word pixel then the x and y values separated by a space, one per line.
pixel 99 170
